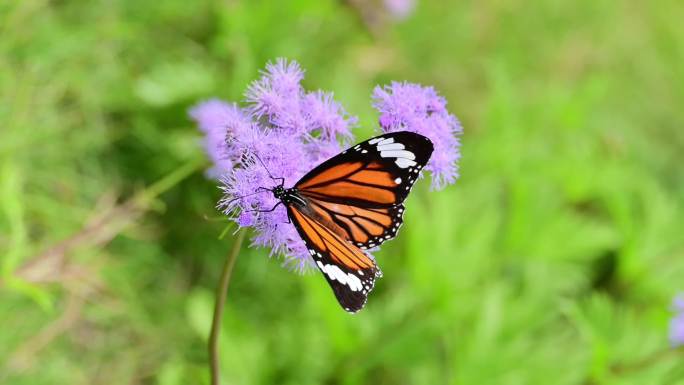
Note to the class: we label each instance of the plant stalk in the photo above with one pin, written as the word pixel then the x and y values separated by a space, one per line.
pixel 221 293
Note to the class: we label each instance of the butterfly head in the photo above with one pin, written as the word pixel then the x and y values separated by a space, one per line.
pixel 279 192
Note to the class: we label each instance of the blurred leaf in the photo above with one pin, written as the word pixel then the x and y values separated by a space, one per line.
pixel 199 310
pixel 171 83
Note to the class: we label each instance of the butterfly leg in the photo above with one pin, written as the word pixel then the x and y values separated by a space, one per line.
pixel 266 211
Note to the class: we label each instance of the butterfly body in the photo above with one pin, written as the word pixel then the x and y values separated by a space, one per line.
pixel 288 196
pixel 352 202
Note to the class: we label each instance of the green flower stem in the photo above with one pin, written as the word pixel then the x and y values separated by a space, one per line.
pixel 169 181
pixel 221 293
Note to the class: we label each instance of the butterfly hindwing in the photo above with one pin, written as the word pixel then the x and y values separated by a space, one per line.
pixel 361 189
pixel 349 271
pixel 365 227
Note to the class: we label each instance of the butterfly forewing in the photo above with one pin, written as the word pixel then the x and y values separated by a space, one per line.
pixel 361 189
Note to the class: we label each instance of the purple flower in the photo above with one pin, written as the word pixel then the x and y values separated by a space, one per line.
pixel 277 96
pixel 411 107
pixel 324 113
pixel 212 117
pixel 400 9
pixel 677 322
pixel 284 131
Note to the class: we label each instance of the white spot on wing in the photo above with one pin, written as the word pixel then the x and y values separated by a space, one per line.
pixel 397 181
pixel 398 154
pixel 334 273
pixel 390 147
pixel 375 140
pixel 403 163
pixel 385 141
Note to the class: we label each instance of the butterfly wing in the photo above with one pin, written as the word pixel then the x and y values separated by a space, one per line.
pixel 349 271
pixel 362 189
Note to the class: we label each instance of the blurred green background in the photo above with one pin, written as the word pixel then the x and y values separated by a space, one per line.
pixel 552 260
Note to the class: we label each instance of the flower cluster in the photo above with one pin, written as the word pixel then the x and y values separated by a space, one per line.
pixel 284 131
pixel 677 322
pixel 411 107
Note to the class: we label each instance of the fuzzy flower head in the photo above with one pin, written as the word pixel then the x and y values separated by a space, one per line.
pixel 677 322
pixel 412 107
pixel 282 131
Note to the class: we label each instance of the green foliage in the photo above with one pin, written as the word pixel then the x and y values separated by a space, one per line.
pixel 552 260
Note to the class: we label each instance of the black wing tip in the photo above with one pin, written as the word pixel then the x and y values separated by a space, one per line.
pixel 429 146
pixel 415 139
pixel 415 136
pixel 355 309
pixel 353 301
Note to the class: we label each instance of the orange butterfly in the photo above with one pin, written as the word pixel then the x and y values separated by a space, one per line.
pixel 351 202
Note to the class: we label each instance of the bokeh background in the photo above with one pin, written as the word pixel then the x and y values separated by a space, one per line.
pixel 553 260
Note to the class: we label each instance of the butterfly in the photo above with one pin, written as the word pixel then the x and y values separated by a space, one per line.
pixel 352 202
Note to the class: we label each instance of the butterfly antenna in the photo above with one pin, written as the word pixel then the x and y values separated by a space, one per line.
pixel 282 180
pixel 259 191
